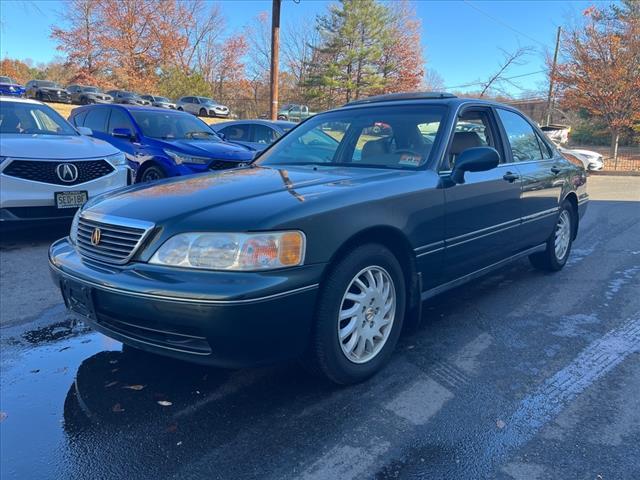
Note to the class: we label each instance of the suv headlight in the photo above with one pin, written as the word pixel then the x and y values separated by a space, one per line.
pixel 118 159
pixel 181 158
pixel 233 251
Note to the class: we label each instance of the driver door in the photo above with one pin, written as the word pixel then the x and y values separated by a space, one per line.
pixel 482 215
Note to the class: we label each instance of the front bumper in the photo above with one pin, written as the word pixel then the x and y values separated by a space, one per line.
pixel 227 319
pixel 26 200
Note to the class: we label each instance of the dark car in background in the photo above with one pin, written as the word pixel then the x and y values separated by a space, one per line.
pixel 86 94
pixel 323 250
pixel 161 143
pixel 160 102
pixel 10 88
pixel 256 134
pixel 47 91
pixel 127 98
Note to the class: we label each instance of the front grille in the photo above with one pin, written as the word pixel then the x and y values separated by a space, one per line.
pixel 116 244
pixel 46 171
pixel 222 165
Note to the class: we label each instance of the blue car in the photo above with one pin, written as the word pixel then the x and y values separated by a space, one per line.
pixel 161 143
pixel 256 134
pixel 10 88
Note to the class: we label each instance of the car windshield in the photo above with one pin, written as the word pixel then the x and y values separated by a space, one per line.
pixel 173 126
pixel 129 95
pixel 207 101
pixel 163 100
pixel 48 84
pixel 400 137
pixel 31 119
pixel 6 80
pixel 91 89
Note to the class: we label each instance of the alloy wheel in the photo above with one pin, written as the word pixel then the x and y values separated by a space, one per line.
pixel 563 234
pixel 366 314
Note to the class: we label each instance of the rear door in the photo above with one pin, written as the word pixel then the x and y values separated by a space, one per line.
pixel 483 213
pixel 540 177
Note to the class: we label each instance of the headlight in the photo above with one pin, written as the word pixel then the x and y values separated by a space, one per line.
pixel 232 251
pixel 181 158
pixel 118 159
pixel 73 234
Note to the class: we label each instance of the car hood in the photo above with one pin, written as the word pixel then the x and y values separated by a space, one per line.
pixel 53 147
pixel 264 188
pixel 215 150
pixel 7 85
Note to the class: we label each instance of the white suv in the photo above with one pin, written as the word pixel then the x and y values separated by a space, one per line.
pixel 202 106
pixel 47 167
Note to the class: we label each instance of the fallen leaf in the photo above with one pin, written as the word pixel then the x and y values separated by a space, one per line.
pixel 164 403
pixel 35 371
pixel 500 424
pixel 179 443
pixel 117 408
pixel 134 387
pixel 3 416
pixel 110 384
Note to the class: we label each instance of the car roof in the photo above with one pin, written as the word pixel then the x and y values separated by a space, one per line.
pixel 257 121
pixel 20 100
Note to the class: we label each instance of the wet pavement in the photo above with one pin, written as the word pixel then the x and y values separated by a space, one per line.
pixel 519 375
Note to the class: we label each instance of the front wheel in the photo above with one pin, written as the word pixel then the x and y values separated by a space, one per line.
pixel 203 112
pixel 359 315
pixel 151 174
pixel 555 256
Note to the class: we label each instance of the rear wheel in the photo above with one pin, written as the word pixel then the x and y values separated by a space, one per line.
pixel 151 174
pixel 181 109
pixel 555 256
pixel 359 315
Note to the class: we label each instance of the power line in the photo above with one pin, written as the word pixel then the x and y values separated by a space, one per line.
pixel 504 24
pixel 505 78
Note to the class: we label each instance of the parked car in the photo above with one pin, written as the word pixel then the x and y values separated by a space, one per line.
pixel 161 143
pixel 44 90
pixel 294 113
pixel 47 168
pixel 161 102
pixel 84 95
pixel 255 134
pixel 10 88
pixel 127 98
pixel 323 250
pixel 202 106
pixel 591 160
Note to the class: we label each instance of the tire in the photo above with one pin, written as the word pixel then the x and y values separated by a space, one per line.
pixel 555 255
pixel 203 112
pixel 39 96
pixel 338 358
pixel 152 174
pixel 181 109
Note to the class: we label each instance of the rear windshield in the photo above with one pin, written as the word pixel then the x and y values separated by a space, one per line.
pixel 32 119
pixel 6 80
pixel 401 137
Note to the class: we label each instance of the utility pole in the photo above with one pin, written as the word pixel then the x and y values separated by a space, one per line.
pixel 275 55
pixel 552 76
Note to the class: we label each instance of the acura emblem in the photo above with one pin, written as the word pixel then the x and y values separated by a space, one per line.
pixel 67 172
pixel 95 236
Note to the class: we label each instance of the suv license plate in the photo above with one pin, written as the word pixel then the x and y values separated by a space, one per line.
pixel 71 199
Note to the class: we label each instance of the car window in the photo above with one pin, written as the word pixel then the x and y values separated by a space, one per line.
pixel 544 147
pixel 239 132
pixel 96 119
pixel 263 134
pixel 473 129
pixel 30 119
pixel 119 119
pixel 522 137
pixel 78 120
pixel 376 136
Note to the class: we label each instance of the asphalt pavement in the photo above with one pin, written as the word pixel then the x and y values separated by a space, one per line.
pixel 519 375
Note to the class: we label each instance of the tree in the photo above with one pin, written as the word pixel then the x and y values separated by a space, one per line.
pixel 509 59
pixel 174 82
pixel 599 69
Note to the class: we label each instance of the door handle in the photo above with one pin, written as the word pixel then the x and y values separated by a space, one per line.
pixel 555 170
pixel 511 177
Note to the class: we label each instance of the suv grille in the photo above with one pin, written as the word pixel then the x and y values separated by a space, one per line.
pixel 116 243
pixel 46 171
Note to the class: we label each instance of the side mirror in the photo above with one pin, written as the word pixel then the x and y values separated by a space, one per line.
pixel 475 159
pixel 222 136
pixel 122 133
pixel 84 131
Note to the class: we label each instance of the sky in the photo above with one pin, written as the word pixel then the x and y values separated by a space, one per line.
pixel 462 40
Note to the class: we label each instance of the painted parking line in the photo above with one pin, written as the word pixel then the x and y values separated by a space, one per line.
pixel 557 392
